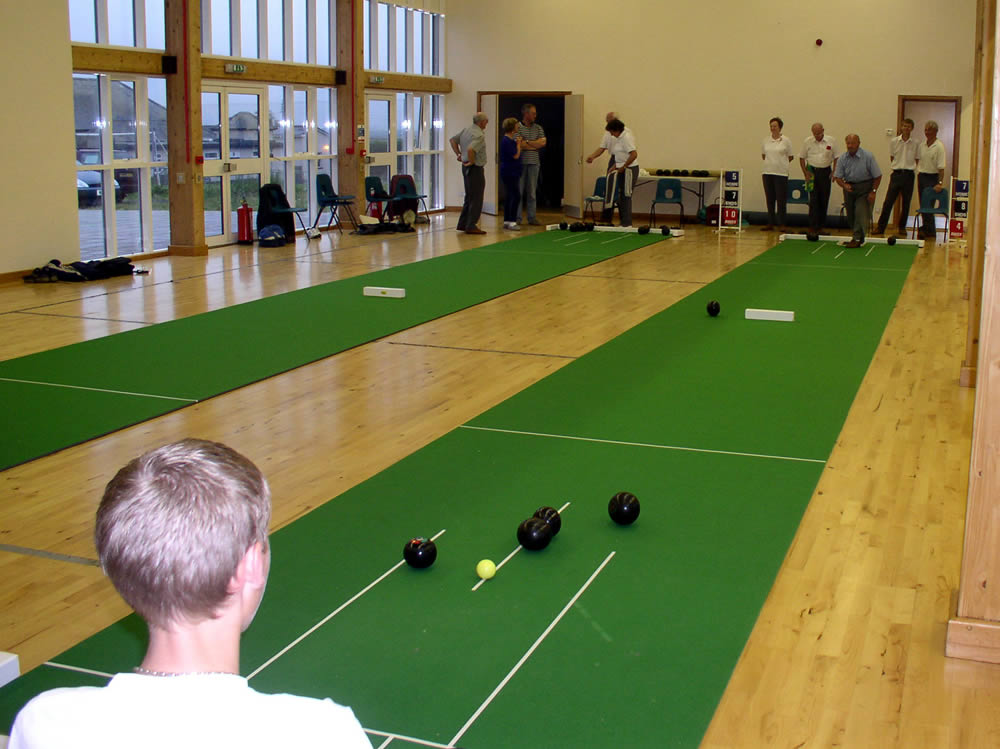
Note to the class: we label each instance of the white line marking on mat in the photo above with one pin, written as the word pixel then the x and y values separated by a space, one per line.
pixel 333 613
pixel 511 555
pixel 78 669
pixel 616 239
pixel 644 444
pixel 838 254
pixel 830 267
pixel 541 637
pixel 99 390
pixel 870 249
pixel 391 736
pixel 818 249
pixel 579 241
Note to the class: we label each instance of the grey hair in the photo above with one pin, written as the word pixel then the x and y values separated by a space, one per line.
pixel 174 524
pixel 479 117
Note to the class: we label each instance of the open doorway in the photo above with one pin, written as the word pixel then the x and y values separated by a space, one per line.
pixel 947 112
pixel 551 109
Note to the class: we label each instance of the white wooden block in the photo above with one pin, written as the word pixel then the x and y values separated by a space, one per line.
pixel 778 315
pixel 9 668
pixel 385 291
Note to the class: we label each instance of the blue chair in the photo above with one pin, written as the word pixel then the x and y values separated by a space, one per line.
pixel 273 208
pixel 598 197
pixel 326 197
pixel 668 191
pixel 932 204
pixel 375 194
pixel 797 194
pixel 404 196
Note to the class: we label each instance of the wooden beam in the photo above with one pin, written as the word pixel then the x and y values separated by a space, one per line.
pixel 378 79
pixel 351 101
pixel 982 114
pixel 974 631
pixel 260 71
pixel 89 58
pixel 184 154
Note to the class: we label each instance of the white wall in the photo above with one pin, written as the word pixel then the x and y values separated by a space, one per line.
pixel 698 80
pixel 39 220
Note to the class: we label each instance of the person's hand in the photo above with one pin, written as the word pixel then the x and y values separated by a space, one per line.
pixel 459 157
pixel 590 159
pixel 849 187
pixel 466 163
pixel 620 169
pixel 938 187
pixel 871 197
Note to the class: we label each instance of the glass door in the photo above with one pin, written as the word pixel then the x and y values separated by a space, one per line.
pixel 233 146
pixel 381 157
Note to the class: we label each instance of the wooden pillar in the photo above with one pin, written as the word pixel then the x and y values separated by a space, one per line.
pixel 974 632
pixel 982 121
pixel 351 100
pixel 184 154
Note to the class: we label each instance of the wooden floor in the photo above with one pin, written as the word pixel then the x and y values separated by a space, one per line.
pixel 848 650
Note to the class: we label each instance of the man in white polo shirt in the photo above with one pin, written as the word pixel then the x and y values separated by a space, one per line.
pixel 818 159
pixel 903 158
pixel 930 172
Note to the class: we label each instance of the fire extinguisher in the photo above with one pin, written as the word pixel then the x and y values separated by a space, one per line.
pixel 244 220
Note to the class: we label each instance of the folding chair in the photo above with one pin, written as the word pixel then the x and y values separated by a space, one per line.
pixel 326 197
pixel 668 191
pixel 933 204
pixel 598 197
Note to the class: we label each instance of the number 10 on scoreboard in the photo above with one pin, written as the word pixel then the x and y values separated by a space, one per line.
pixel 731 217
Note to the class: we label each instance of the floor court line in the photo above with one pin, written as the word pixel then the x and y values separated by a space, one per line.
pixel 818 249
pixel 838 254
pixel 481 350
pixel 616 239
pixel 517 549
pixel 517 666
pixel 333 613
pixel 78 669
pixel 99 390
pixel 390 737
pixel 49 555
pixel 681 448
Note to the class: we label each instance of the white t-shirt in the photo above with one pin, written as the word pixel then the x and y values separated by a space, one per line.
pixel 819 153
pixel 209 711
pixel 776 154
pixel 931 158
pixel 903 153
pixel 620 147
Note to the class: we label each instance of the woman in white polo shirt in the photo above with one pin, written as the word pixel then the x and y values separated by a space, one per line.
pixel 777 153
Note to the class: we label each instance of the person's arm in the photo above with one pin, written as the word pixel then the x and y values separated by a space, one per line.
pixel 537 143
pixel 875 184
pixel 519 142
pixel 834 165
pixel 595 154
pixel 802 163
pixel 455 147
pixel 838 178
pixel 940 183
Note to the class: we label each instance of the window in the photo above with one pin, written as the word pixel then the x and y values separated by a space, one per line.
pixel 402 39
pixel 120 129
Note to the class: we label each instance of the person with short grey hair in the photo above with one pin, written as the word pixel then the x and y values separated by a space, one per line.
pixel 930 173
pixel 182 535
pixel 470 148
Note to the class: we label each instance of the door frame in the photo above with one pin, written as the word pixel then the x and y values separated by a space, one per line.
pixel 226 166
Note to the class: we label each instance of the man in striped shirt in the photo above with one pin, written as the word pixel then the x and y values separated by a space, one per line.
pixel 532 140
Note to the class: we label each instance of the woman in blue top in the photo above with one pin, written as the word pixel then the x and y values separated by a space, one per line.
pixel 510 172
